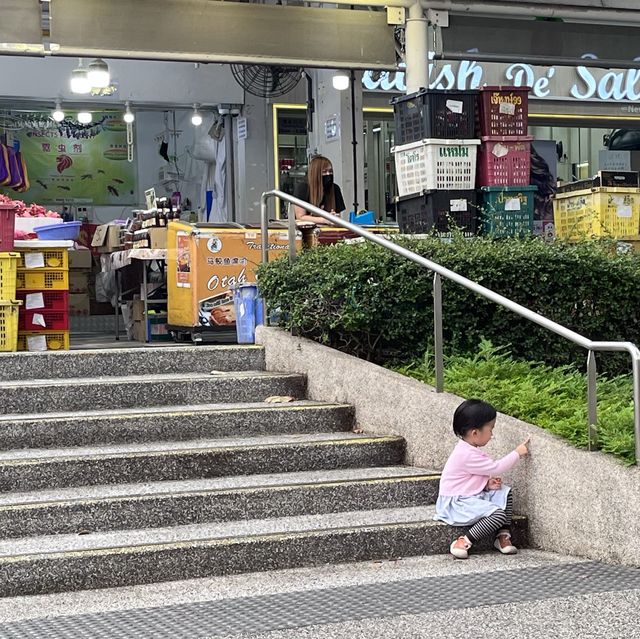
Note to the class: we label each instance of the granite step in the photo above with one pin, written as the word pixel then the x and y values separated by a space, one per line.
pixel 159 504
pixel 165 423
pixel 35 469
pixel 130 361
pixel 136 391
pixel 58 563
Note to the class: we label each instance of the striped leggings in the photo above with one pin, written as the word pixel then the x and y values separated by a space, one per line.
pixel 489 526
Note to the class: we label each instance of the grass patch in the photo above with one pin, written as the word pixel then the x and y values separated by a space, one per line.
pixel 553 398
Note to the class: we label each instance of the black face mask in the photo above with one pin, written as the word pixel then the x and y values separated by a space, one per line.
pixel 327 181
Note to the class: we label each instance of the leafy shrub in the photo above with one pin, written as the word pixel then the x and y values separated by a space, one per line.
pixel 552 398
pixel 365 300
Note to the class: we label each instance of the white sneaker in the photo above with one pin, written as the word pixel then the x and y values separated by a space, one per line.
pixel 504 545
pixel 460 548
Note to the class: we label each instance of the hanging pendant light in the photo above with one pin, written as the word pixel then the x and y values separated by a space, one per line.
pixel 98 74
pixel 340 80
pixel 80 80
pixel 128 116
pixel 196 118
pixel 85 117
pixel 57 115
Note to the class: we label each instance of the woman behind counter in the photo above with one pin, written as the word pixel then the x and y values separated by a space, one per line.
pixel 320 190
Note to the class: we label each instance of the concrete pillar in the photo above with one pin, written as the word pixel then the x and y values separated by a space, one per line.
pixel 416 50
pixel 332 133
pixel 253 158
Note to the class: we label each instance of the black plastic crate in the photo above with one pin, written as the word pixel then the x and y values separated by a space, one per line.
pixel 437 211
pixel 605 179
pixel 449 115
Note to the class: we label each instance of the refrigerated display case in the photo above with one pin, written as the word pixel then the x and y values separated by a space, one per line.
pixel 204 263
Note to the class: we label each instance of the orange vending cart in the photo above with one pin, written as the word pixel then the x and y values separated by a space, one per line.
pixel 204 263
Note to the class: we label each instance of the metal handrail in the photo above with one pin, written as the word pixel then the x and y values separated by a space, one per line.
pixel 440 272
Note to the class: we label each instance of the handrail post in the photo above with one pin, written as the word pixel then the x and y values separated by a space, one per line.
pixel 437 331
pixel 264 228
pixel 636 404
pixel 292 234
pixel 592 401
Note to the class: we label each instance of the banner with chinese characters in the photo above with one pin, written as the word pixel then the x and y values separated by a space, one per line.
pixel 68 161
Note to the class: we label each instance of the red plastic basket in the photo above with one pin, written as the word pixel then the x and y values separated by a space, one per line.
pixel 53 320
pixel 504 111
pixel 53 300
pixel 504 161
pixel 7 227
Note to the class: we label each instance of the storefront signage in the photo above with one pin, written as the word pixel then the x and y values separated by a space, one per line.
pixel 552 83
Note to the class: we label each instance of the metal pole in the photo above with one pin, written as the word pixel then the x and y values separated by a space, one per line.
pixel 592 401
pixel 354 142
pixel 292 235
pixel 437 331
pixel 636 403
pixel 146 301
pixel 118 295
pixel 264 225
pixel 546 61
pixel 416 50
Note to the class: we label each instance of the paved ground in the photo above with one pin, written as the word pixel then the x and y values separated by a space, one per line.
pixel 530 596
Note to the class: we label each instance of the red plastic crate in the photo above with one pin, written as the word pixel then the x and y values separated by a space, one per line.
pixel 54 320
pixel 504 161
pixel 53 300
pixel 504 111
pixel 7 227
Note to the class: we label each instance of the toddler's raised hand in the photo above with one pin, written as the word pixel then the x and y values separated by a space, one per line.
pixel 522 449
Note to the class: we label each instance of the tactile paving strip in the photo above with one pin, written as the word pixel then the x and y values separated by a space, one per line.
pixel 207 620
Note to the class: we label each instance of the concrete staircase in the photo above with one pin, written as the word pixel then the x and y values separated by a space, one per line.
pixel 137 466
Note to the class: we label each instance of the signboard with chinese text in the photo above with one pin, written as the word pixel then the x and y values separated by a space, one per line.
pixel 68 162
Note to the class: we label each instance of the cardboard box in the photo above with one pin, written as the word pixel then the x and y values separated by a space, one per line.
pixel 80 260
pixel 78 282
pixel 79 304
pixel 158 238
pixel 139 331
pixel 137 311
pixel 107 238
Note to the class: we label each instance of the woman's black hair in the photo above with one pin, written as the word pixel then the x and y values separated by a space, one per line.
pixel 472 413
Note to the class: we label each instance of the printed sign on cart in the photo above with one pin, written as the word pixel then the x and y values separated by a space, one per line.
pixel 183 260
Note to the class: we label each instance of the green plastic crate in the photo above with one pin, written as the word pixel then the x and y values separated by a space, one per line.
pixel 507 211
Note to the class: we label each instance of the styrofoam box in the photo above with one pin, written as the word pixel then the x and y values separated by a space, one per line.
pixel 28 224
pixel 435 164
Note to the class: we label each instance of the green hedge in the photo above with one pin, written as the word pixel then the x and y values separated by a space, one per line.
pixel 552 398
pixel 364 300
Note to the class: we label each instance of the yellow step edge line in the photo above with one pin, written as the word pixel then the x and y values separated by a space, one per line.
pixel 226 541
pixel 221 491
pixel 270 407
pixel 195 451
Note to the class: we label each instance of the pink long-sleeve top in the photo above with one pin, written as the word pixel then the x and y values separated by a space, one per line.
pixel 468 469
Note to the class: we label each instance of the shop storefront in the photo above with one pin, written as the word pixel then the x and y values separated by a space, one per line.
pixel 573 113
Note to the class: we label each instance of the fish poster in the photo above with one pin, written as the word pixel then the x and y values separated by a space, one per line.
pixel 69 162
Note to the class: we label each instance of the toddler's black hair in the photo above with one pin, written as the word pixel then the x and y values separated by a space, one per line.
pixel 472 413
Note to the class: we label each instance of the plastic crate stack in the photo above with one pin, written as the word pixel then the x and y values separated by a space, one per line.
pixel 43 289
pixel 8 305
pixel 435 156
pixel 504 162
pixel 607 205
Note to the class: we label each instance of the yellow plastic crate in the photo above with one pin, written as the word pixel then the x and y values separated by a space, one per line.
pixel 598 212
pixel 8 269
pixel 42 280
pixel 9 326
pixel 54 340
pixel 54 258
